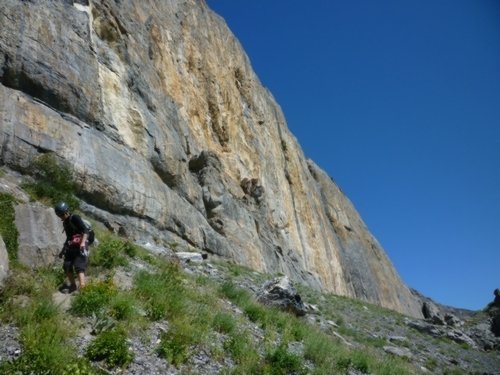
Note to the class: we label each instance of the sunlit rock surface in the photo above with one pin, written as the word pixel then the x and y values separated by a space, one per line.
pixel 172 135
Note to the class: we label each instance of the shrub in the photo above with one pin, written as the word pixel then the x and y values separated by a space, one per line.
pixel 281 362
pixel 318 348
pixel 110 346
pixel 175 344
pixel 256 313
pixel 130 249
pixel 241 347
pixel 54 181
pixel 93 298
pixel 164 293
pixel 237 295
pixel 8 229
pixel 110 253
pixel 224 323
pixel 122 307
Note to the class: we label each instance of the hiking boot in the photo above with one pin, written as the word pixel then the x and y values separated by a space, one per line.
pixel 67 289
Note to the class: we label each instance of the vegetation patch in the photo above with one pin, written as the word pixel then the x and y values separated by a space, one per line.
pixel 8 229
pixel 162 293
pixel 53 181
pixel 176 344
pixel 93 299
pixel 43 337
pixel 110 347
pixel 281 362
pixel 111 253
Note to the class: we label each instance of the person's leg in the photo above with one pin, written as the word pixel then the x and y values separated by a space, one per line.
pixel 80 266
pixel 70 285
pixel 68 270
pixel 70 277
pixel 81 279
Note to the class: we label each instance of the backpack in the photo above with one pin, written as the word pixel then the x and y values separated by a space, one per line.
pixel 87 223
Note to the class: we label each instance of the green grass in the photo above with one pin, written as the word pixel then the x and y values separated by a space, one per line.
pixel 195 311
pixel 176 344
pixel 163 293
pixel 279 361
pixel 122 307
pixel 44 333
pixel 8 229
pixel 53 181
pixel 224 322
pixel 93 299
pixel 241 347
pixel 111 252
pixel 111 347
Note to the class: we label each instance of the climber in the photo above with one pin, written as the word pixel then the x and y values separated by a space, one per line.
pixel 75 249
pixel 496 301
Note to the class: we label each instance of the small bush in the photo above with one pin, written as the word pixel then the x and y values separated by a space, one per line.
pixel 256 313
pixel 176 343
pixel 81 366
pixel 292 328
pixel 164 293
pixel 224 323
pixel 237 295
pixel 93 298
pixel 281 362
pixel 8 229
pixel 110 253
pixel 122 307
pixel 130 249
pixel 361 361
pixel 241 348
pixel 54 181
pixel 320 349
pixel 110 346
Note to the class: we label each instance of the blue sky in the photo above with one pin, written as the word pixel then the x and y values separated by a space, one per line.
pixel 398 101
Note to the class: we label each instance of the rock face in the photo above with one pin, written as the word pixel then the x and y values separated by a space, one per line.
pixel 40 235
pixel 4 262
pixel 172 136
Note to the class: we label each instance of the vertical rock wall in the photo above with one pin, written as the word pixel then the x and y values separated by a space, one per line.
pixel 169 130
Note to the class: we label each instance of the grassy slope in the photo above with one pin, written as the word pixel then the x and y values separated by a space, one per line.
pixel 216 315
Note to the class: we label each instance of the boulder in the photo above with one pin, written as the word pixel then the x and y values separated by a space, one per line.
pixel 453 321
pixel 279 292
pixel 398 351
pixel 4 262
pixel 188 257
pixel 40 235
pixel 432 313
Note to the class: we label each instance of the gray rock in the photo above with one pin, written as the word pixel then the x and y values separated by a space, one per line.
pixel 279 292
pixel 11 346
pixel 397 351
pixel 483 331
pixel 40 235
pixel 4 262
pixel 453 321
pixel 443 331
pixel 10 184
pixel 432 313
pixel 190 257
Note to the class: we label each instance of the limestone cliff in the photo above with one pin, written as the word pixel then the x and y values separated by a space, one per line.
pixel 173 137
